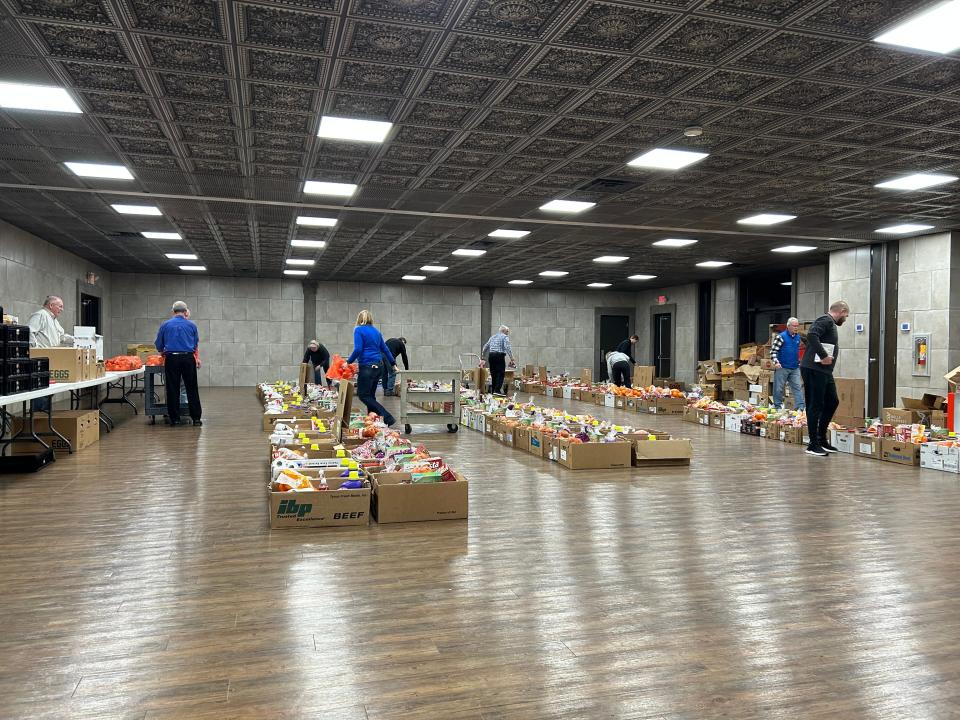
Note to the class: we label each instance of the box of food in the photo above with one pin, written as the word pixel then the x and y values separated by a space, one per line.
pixel 395 499
pixel 328 508
pixel 843 440
pixel 866 445
pixel 901 453
pixel 593 456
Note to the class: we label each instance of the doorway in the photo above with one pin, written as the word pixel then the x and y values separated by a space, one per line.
pixel 613 326
pixel 89 312
pixel 663 344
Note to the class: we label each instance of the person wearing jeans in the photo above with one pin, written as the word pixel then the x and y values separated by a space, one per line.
pixel 785 355
pixel 497 349
pixel 817 371
pixel 371 352
pixel 398 346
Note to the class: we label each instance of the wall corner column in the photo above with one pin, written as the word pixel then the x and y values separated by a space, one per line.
pixel 486 313
pixel 309 310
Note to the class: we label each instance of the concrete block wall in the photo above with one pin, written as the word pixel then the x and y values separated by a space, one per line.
pixel 685 352
pixel 251 330
pixel 810 292
pixel 725 318
pixel 31 269
pixel 850 281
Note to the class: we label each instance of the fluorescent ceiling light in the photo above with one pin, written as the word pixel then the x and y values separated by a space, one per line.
pixel 667 159
pixel 162 236
pixel 509 234
pixel 611 259
pixel 307 221
pixel 674 242
pixel 96 170
pixel 713 263
pixel 467 252
pixel 520 282
pixel 554 273
pixel 641 277
pixel 300 261
pixel 787 284
pixel 18 96
pixel 318 244
pixel 904 228
pixel 414 277
pixel 320 187
pixel 917 181
pixel 598 285
pixel 566 206
pixel 765 219
pixel 137 209
pixel 337 128
pixel 434 268
pixel 181 256
pixel 794 249
pixel 300 273
pixel 197 268
pixel 934 30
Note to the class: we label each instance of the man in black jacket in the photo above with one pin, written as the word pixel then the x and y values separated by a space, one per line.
pixel 318 356
pixel 626 347
pixel 398 346
pixel 816 368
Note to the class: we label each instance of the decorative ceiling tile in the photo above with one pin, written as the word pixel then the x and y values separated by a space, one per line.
pixel 727 86
pixel 570 66
pixel 425 113
pixel 195 87
pixel 607 26
pixel 858 17
pixel 131 126
pixel 869 104
pixel 704 40
pixel 490 188
pixel 80 11
pixel 485 141
pixel 84 43
pixel 651 77
pixel 147 147
pixel 208 135
pixel 578 129
pixel 869 134
pixel 153 162
pixel 282 122
pixel 190 55
pixel 278 142
pixel 482 55
pixel 276 97
pixel 423 136
pixel 810 128
pixel 775 11
pixel 815 152
pixel 390 181
pixel 118 105
pixel 276 171
pixel 762 147
pixel 183 17
pixel 535 96
pixel 370 78
pixel 384 43
pixel 610 105
pixel 284 28
pixel 929 111
pixel 522 18
pixel 868 62
pixel 745 120
pixel 440 184
pixel 933 78
pixel 585 168
pixel 801 95
pixel 344 148
pixel 457 88
pixel 215 166
pixel 367 107
pixel 278 157
pixel 637 136
pixel 418 11
pixel 283 67
pixel 469 158
pixel 394 167
pixel 926 140
pixel 531 164
pixel 512 179
pixel 454 173
pixel 677 113
pixel 212 152
pixel 405 153
pixel 790 52
pixel 102 77
pixel 342 163
pixel 199 113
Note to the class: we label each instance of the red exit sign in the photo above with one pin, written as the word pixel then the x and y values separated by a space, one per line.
pixel 661 299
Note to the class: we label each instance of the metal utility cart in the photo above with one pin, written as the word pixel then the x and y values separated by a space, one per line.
pixel 153 404
pixel 451 420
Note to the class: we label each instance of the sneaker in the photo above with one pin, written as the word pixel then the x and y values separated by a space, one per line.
pixel 198 422
pixel 828 447
pixel 816 450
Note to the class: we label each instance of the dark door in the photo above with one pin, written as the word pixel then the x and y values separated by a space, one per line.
pixel 662 344
pixel 90 312
pixel 614 329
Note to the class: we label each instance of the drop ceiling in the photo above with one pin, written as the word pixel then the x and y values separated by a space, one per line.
pixel 498 106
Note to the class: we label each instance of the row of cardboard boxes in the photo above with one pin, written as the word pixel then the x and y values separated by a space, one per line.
pixel 602 398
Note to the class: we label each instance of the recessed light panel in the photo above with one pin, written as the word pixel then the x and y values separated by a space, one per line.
pixel 520 282
pixel 794 249
pixel 663 159
pixel 414 277
pixel 787 284
pixel 468 252
pixel 611 259
pixel 766 219
pixel 509 234
pixel 904 229
pixel 17 96
pixel 554 273
pixel 917 181
pixel 162 235
pixel 308 221
pixel 193 268
pixel 598 285
pixel 334 189
pixel 181 256
pixel 299 273
pixel 641 277
pixel 934 30
pixel 434 268
pixel 316 244
pixel 566 206
pixel 137 209
pixel 713 263
pixel 97 170
pixel 369 131
pixel 300 261
pixel 674 242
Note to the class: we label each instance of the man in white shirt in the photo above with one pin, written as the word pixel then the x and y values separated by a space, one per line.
pixel 45 329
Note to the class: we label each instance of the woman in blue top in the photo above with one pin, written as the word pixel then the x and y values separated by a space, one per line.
pixel 370 349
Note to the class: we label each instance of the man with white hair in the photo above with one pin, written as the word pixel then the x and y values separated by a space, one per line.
pixel 498 347
pixel 45 329
pixel 177 340
pixel 785 355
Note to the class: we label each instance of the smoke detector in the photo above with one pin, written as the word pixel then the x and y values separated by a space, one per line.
pixel 693 131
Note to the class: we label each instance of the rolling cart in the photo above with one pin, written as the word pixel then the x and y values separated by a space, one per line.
pixel 423 417
pixel 153 404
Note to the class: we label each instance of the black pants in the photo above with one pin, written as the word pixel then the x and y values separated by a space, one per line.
pixel 820 394
pixel 183 366
pixel 621 374
pixel 498 368
pixel 367 380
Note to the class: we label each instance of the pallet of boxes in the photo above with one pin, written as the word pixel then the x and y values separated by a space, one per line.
pixel 337 470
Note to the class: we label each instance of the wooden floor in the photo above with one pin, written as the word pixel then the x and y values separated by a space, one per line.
pixel 139 579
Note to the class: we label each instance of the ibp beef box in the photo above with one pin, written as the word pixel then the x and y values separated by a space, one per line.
pixel 327 508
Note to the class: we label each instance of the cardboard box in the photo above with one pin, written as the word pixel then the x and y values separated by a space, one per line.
pixel 901 453
pixel 866 445
pixel 717 419
pixel 521 437
pixel 593 456
pixel 849 422
pixel 80 427
pixel 931 457
pixel 330 508
pixel 843 440
pixel 586 376
pixel 66 364
pixel 852 395
pixel 938 418
pixel 394 499
pixel 646 452
pixel 951 459
pixel 619 402
pixel 899 416
pixel 643 375
pixel 535 443
pixel 732 422
pixel 669 406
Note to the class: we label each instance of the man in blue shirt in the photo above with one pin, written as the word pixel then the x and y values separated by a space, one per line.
pixel 178 340
pixel 785 355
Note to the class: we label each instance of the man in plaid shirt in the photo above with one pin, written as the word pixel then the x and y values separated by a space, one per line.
pixel 499 348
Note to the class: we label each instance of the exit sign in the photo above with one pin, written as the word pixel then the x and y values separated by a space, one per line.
pixel 661 299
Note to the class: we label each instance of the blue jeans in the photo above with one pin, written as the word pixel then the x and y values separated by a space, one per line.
pixel 389 379
pixel 780 379
pixel 367 380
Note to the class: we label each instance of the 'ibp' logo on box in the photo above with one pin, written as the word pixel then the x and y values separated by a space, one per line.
pixel 292 507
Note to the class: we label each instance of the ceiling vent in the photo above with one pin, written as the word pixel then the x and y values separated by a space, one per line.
pixel 610 185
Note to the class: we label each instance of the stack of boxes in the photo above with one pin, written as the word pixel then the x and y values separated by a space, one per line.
pixel 67 364
pixel 15 366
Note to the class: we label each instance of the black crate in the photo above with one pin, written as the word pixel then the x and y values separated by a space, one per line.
pixel 27 462
pixel 13 384
pixel 14 333
pixel 14 350
pixel 40 365
pixel 9 368
pixel 39 380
